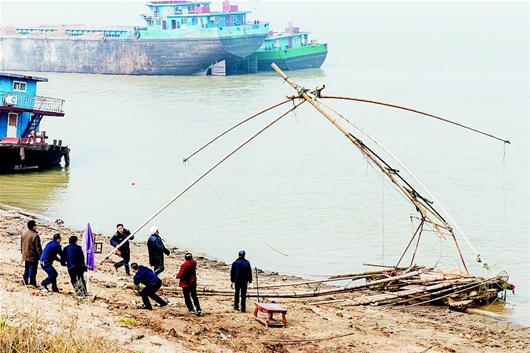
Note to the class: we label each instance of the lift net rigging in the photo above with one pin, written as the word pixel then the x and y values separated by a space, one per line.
pixel 431 212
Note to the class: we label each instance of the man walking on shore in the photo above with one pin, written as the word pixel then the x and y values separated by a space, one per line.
pixel 151 282
pixel 124 251
pixel 31 249
pixel 74 259
pixel 52 252
pixel 156 250
pixel 188 283
pixel 241 276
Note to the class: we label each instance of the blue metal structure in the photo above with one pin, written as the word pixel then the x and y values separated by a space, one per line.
pixel 22 146
pixel 21 110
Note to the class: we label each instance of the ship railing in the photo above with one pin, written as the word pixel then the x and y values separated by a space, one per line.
pixel 24 101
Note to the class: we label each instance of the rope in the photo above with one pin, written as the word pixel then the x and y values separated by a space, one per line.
pixel 415 111
pixel 203 175
pixel 391 155
pixel 504 189
pixel 236 125
pixel 218 195
pixel 383 221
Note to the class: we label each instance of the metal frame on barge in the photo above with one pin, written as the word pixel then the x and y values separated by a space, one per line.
pixel 23 145
pixel 410 285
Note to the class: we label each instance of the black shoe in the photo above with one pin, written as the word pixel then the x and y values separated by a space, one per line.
pixel 236 308
pixel 162 304
pixel 146 307
pixel 243 310
pixel 198 312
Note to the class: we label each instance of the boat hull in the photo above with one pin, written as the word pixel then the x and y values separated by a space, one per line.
pixel 122 56
pixel 14 157
pixel 293 59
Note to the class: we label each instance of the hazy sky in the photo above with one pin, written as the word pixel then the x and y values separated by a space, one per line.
pixel 437 33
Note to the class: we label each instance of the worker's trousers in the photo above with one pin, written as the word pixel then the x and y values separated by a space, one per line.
pixel 241 288
pixel 189 294
pixel 150 292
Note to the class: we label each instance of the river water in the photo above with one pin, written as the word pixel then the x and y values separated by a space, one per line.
pixel 301 199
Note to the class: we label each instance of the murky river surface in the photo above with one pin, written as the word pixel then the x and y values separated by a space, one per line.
pixel 301 189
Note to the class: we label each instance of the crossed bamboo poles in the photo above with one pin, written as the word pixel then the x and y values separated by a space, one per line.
pixel 428 213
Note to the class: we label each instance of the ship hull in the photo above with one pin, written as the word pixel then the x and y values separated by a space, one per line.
pixel 293 59
pixel 122 56
pixel 15 157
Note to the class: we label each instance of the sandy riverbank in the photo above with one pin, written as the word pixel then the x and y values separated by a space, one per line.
pixel 111 318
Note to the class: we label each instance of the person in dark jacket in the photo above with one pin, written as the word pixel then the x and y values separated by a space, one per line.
pixel 241 276
pixel 151 282
pixel 156 250
pixel 188 283
pixel 31 249
pixel 74 260
pixel 124 251
pixel 52 252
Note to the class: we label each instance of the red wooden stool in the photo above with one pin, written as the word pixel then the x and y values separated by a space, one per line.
pixel 270 309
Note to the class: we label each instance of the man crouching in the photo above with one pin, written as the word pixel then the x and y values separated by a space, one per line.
pixel 151 282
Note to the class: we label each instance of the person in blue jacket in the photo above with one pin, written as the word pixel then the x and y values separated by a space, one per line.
pixel 241 276
pixel 74 260
pixel 151 282
pixel 124 251
pixel 156 250
pixel 52 252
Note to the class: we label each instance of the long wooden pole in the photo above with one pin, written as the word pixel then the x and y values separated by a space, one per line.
pixel 294 294
pixel 408 245
pixel 174 198
pixel 302 92
pixel 363 100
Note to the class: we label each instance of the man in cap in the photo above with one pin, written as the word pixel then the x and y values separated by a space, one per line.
pixel 124 251
pixel 188 283
pixel 151 282
pixel 52 252
pixel 241 276
pixel 156 250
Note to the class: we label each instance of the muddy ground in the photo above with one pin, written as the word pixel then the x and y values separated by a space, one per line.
pixel 112 312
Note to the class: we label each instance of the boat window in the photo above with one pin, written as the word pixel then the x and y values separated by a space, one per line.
pixel 19 86
pixel 173 24
pixel 184 21
pixel 164 26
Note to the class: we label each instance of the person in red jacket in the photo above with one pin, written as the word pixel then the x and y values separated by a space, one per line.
pixel 188 283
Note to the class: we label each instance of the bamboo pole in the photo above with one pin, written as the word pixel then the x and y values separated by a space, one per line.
pixel 295 294
pixel 174 198
pixel 433 198
pixel 312 282
pixel 383 166
pixel 417 112
pixel 487 313
pixel 410 242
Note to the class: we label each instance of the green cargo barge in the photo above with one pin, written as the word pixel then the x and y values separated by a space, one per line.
pixel 291 51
